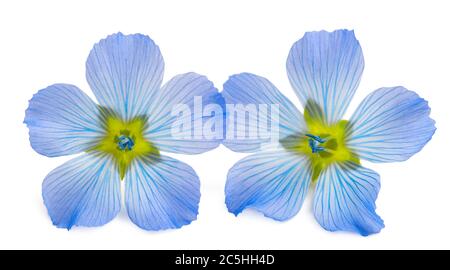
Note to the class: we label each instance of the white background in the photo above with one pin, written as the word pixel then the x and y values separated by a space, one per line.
pixel 404 43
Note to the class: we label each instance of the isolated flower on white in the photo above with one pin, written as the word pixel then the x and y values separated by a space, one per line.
pixel 121 138
pixel 391 124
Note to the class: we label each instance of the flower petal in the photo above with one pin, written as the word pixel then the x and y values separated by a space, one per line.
pixel 326 68
pixel 345 197
pixel 161 193
pixel 249 89
pixel 272 182
pixel 390 124
pixel 194 93
pixel 84 191
pixel 124 71
pixel 62 121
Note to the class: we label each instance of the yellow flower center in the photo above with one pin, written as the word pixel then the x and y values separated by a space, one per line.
pixel 324 144
pixel 124 140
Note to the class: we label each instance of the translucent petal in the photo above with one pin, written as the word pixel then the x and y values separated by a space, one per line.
pixel 247 89
pixel 325 68
pixel 272 182
pixel 390 124
pixel 123 72
pixel 344 199
pixel 161 193
pixel 195 93
pixel 62 120
pixel 84 191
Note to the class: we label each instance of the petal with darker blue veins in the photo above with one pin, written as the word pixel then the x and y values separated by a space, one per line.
pixel 273 182
pixel 253 98
pixel 161 193
pixel 390 124
pixel 62 120
pixel 84 191
pixel 186 115
pixel 344 199
pixel 124 71
pixel 325 68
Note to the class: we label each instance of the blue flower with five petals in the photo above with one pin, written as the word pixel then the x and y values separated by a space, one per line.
pixel 391 124
pixel 121 139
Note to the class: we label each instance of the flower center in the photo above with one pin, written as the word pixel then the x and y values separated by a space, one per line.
pixel 314 142
pixel 124 140
pixel 125 143
pixel 324 143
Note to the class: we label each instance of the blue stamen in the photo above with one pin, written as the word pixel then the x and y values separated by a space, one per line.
pixel 314 142
pixel 320 149
pixel 316 138
pixel 125 143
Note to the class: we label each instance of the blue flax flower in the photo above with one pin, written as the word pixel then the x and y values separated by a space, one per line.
pixel 391 124
pixel 121 139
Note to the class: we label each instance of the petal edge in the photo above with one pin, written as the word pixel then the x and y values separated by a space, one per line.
pixel 62 120
pixel 326 67
pixel 344 199
pixel 276 191
pixel 84 191
pixel 391 124
pixel 161 193
pixel 123 71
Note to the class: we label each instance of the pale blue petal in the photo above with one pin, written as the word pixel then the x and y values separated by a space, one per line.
pixel 161 193
pixel 344 199
pixel 124 71
pixel 326 68
pixel 62 120
pixel 84 191
pixel 390 124
pixel 183 90
pixel 249 89
pixel 272 182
